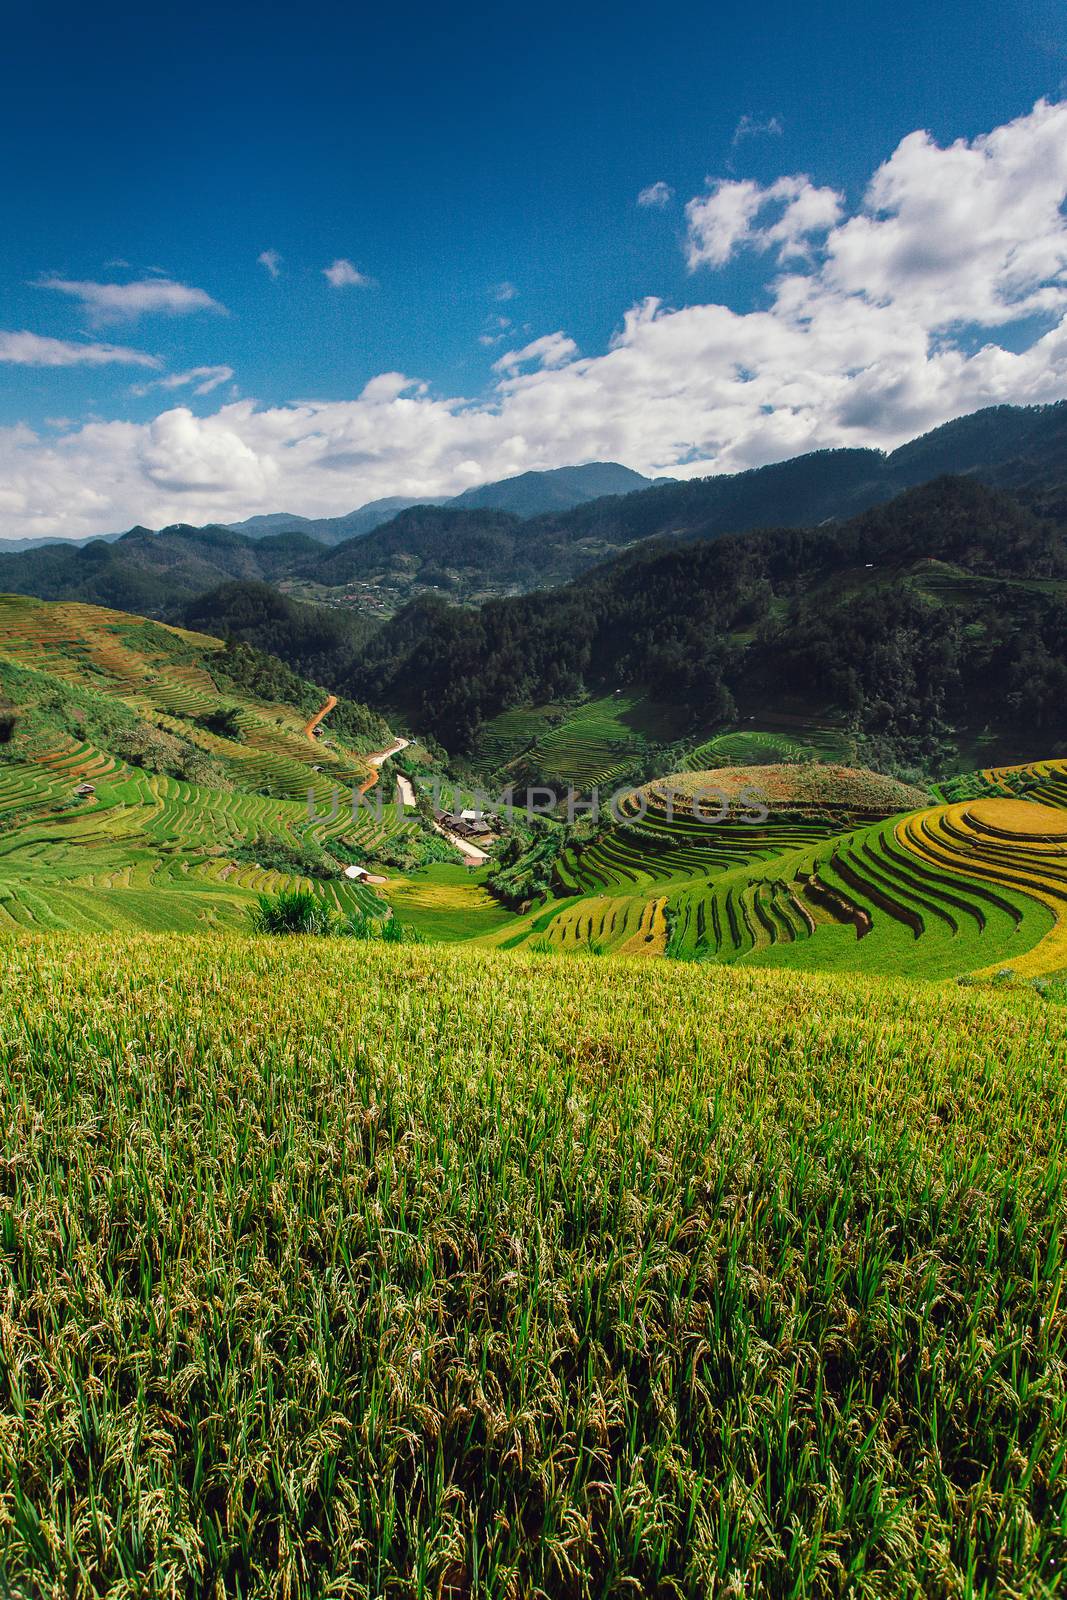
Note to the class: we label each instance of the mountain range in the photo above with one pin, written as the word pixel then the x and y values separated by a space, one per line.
pixel 473 552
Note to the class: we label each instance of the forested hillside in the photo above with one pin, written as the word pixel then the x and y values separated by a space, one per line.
pixel 154 574
pixel 945 610
pixel 1024 450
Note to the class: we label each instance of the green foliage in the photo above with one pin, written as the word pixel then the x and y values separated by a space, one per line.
pixel 297 857
pixel 414 849
pixel 293 911
pixel 157 750
pixel 838 622
pixel 266 677
pixel 225 721
pixel 524 859
pixel 297 911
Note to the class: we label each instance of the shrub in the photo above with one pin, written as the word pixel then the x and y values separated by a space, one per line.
pixel 409 851
pixel 158 750
pixel 300 911
pixel 225 721
pixel 294 911
pixel 299 859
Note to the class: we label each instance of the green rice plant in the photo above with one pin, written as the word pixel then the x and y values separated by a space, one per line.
pixel 338 1268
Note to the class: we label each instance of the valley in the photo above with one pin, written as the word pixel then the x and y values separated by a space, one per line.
pixel 735 1030
pixel 139 789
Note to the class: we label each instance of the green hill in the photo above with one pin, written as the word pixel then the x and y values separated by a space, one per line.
pixel 918 627
pixel 196 771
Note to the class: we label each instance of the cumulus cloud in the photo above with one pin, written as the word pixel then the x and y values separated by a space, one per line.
pixel 972 233
pixel 271 260
pixel 34 350
pixel 551 350
pixel 125 302
pixel 503 291
pixel 203 380
pixel 784 214
pixel 341 274
pixel 752 127
pixel 656 194
pixel 888 326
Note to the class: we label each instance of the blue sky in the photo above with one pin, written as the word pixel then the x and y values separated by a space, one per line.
pixel 480 168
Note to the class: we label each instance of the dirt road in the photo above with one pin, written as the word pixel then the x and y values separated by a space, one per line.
pixel 313 722
pixel 377 759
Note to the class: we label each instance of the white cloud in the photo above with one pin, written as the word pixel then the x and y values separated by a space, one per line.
pixel 886 327
pixel 203 379
pixel 657 194
pixel 751 127
pixel 34 350
pixel 503 291
pixel 389 386
pixel 125 302
pixel 972 233
pixel 551 350
pixel 271 260
pixel 343 275
pixel 726 218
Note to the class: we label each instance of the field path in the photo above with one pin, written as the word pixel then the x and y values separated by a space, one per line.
pixel 313 722
pixel 376 759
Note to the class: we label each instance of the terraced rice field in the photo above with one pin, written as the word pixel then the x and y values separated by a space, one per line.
pixel 968 887
pixel 760 747
pixel 142 665
pixel 591 746
pixel 145 850
pixel 148 851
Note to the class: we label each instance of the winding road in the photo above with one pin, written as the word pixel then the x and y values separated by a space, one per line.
pixel 376 759
pixel 313 722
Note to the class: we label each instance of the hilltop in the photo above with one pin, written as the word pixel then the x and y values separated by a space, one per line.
pixel 796 788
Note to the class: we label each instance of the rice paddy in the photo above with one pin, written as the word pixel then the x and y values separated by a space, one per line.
pixel 820 883
pixel 142 849
pixel 584 746
pixel 368 1271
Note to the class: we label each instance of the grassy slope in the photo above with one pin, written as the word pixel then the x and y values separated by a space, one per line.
pixel 584 745
pixel 149 850
pixel 335 1269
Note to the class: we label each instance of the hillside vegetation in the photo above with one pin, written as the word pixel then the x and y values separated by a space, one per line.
pixel 917 627
pixel 530 532
pixel 794 788
pixel 355 1269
